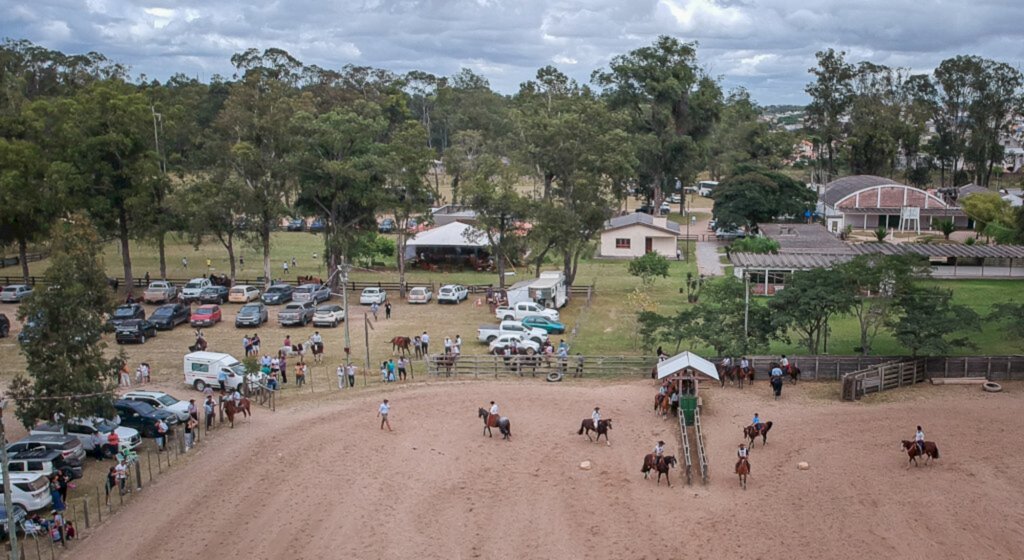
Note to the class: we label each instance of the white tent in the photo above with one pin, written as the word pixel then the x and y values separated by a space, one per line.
pixel 455 234
pixel 685 360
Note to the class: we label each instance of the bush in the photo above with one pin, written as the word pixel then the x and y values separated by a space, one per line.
pixel 754 245
pixel 880 234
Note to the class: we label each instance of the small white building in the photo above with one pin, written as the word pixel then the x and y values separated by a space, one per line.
pixel 635 235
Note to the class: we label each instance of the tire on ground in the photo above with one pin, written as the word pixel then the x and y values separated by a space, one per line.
pixel 992 387
pixel 555 376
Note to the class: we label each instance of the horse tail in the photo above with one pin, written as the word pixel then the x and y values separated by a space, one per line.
pixel 767 426
pixel 583 424
pixel 936 448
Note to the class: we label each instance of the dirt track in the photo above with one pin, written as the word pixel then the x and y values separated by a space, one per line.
pixel 322 481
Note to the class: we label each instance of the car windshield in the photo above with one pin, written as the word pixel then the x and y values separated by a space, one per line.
pixel 238 368
pixel 249 310
pixel 193 285
pixel 204 311
pixel 167 400
pixel 276 289
pixel 11 289
pixel 163 312
pixel 304 289
pixel 104 426
pixel 328 309
pixel 124 312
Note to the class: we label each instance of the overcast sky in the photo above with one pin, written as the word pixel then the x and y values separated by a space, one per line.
pixel 764 45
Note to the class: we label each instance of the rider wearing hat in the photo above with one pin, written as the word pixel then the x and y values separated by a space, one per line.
pixel 919 440
pixel 659 450
pixel 494 408
pixel 741 455
pixel 757 422
pixel 596 416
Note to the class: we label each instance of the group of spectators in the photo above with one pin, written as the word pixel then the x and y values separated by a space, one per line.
pixel 391 370
pixel 142 373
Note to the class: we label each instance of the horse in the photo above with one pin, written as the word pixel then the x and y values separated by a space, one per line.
pixel 663 403
pixel 231 409
pixel 724 372
pixel 751 433
pixel 401 343
pixel 743 469
pixel 662 465
pixel 794 374
pixel 493 421
pixel 602 429
pixel 777 386
pixel 317 348
pixel 200 345
pixel 930 449
pixel 446 361
pixel 749 375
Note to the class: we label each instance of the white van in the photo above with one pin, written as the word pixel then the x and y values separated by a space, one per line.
pixel 202 368
pixel 29 491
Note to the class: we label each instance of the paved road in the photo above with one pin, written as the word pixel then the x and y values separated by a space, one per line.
pixel 707 258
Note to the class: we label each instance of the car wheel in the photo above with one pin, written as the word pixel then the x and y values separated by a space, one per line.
pixel 19 511
pixel 199 384
pixel 490 339
pixel 508 318
pixel 530 351
pixel 142 339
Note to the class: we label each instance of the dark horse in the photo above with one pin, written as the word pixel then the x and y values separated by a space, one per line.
pixel 493 421
pixel 751 433
pixel 743 469
pixel 661 465
pixel 724 372
pixel 401 343
pixel 231 409
pixel 794 373
pixel 777 386
pixel 445 361
pixel 602 428
pixel 930 449
pixel 749 375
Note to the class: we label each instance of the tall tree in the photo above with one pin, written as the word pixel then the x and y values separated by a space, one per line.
pixel 831 95
pixel 808 303
pixel 875 282
pixel 408 194
pixel 25 217
pixel 66 369
pixel 930 323
pixel 209 205
pixel 672 104
pixel 755 196
pixel 501 210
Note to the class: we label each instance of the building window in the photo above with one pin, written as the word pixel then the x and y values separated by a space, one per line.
pixel 622 243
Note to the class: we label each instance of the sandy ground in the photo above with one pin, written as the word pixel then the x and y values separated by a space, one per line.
pixel 322 481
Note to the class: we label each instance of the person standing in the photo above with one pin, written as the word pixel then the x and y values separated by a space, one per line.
pixel 351 371
pixel 283 360
pixel 300 374
pixel 341 376
pixel 246 346
pixel 425 342
pixel 284 267
pixel 126 378
pixel 255 342
pixel 121 474
pixel 447 345
pixel 193 412
pixel 184 263
pixel 401 368
pixel 374 308
pixel 111 482
pixel 209 265
pixel 210 408
pixel 190 435
pixel 241 262
pixel 387 309
pixel 417 346
pixel 579 364
pixel 382 412
pixel 161 436
pixel 458 344
pixel 222 380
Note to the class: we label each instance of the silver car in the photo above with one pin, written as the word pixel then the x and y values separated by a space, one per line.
pixel 328 315
pixel 316 293
pixel 296 314
pixel 15 293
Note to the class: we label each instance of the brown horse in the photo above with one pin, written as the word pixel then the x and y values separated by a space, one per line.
pixel 662 465
pixel 446 361
pixel 751 433
pixel 743 469
pixel 913 451
pixel 749 375
pixel 794 374
pixel 726 372
pixel 231 409
pixel 401 343
pixel 493 421
pixel 602 428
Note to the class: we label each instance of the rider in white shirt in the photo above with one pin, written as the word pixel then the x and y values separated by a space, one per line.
pixel 659 450
pixel 596 416
pixel 745 364
pixel 236 396
pixel 494 408
pixel 741 454
pixel 784 363
pixel 919 440
pixel 316 338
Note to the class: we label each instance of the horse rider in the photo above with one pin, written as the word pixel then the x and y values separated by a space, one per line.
pixel 741 455
pixel 659 451
pixel 745 364
pixel 494 408
pixel 236 397
pixel 919 440
pixel 726 363
pixel 776 371
pixel 784 363
pixel 317 341
pixel 596 416
pixel 757 423
pixel 663 390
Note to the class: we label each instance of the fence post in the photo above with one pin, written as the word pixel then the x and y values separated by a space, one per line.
pixel 85 511
pixel 99 509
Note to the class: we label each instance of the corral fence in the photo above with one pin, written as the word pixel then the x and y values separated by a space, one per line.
pixel 477 365
pixel 684 438
pixel 882 377
pixel 698 436
pixel 15 261
pixel 833 368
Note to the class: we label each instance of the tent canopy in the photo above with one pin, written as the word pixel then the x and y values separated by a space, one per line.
pixel 685 360
pixel 455 234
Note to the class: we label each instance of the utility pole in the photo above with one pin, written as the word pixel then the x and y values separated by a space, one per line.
pixel 366 333
pixel 12 530
pixel 343 270
pixel 746 305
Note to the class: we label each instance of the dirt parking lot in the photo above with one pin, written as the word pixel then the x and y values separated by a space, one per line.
pixel 322 480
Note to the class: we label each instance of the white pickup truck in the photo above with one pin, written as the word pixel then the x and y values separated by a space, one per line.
pixel 524 309
pixel 487 333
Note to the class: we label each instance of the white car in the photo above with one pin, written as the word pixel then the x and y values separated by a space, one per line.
pixel 370 296
pixel 15 293
pixel 243 294
pixel 85 428
pixel 160 401
pixel 505 340
pixel 452 293
pixel 194 287
pixel 419 294
pixel 29 491
pixel 328 316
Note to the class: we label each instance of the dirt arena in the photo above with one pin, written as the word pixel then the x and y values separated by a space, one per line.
pixel 322 481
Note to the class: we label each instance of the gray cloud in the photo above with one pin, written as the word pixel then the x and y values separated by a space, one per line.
pixel 763 45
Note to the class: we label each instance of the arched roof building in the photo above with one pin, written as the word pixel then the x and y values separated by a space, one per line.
pixel 868 201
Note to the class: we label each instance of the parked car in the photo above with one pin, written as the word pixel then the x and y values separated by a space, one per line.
pixel 15 293
pixel 160 291
pixel 214 294
pixel 489 333
pixel 5 326
pixel 328 316
pixel 665 208
pixel 160 401
pixel 499 344
pixel 170 315
pixel 315 293
pixel 194 288
pixel 296 313
pixel 452 293
pixel 317 226
pixel 134 330
pixel 387 225
pixel 411 224
pixel 126 312
pixel 373 295
pixel 18 518
pixel 541 322
pixel 419 294
pixel 524 309
pixel 202 368
pixel 252 315
pixel 277 294
pixel 46 462
pixel 675 198
pixel 142 417
pixel 728 234
pixel 243 294
pixel 29 492
pixel 85 430
pixel 69 446
pixel 205 316
pixel 296 225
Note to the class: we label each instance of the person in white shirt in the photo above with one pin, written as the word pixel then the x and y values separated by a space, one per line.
pixel 341 377
pixel 383 411
pixel 447 345
pixel 425 342
pixel 745 364
pixel 784 363
pixel 659 450
pixel 317 340
pixel 458 344
pixel 351 371
pixel 741 455
pixel 494 408
pixel 919 440
pixel 596 416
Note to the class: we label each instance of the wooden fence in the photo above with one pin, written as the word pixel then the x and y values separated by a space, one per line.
pixel 16 261
pixel 698 435
pixel 684 437
pixel 478 365
pixel 833 368
pixel 882 377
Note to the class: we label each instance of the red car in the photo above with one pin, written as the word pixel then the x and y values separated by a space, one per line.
pixel 205 316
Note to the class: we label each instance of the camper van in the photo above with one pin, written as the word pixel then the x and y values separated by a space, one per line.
pixel 549 290
pixel 202 368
